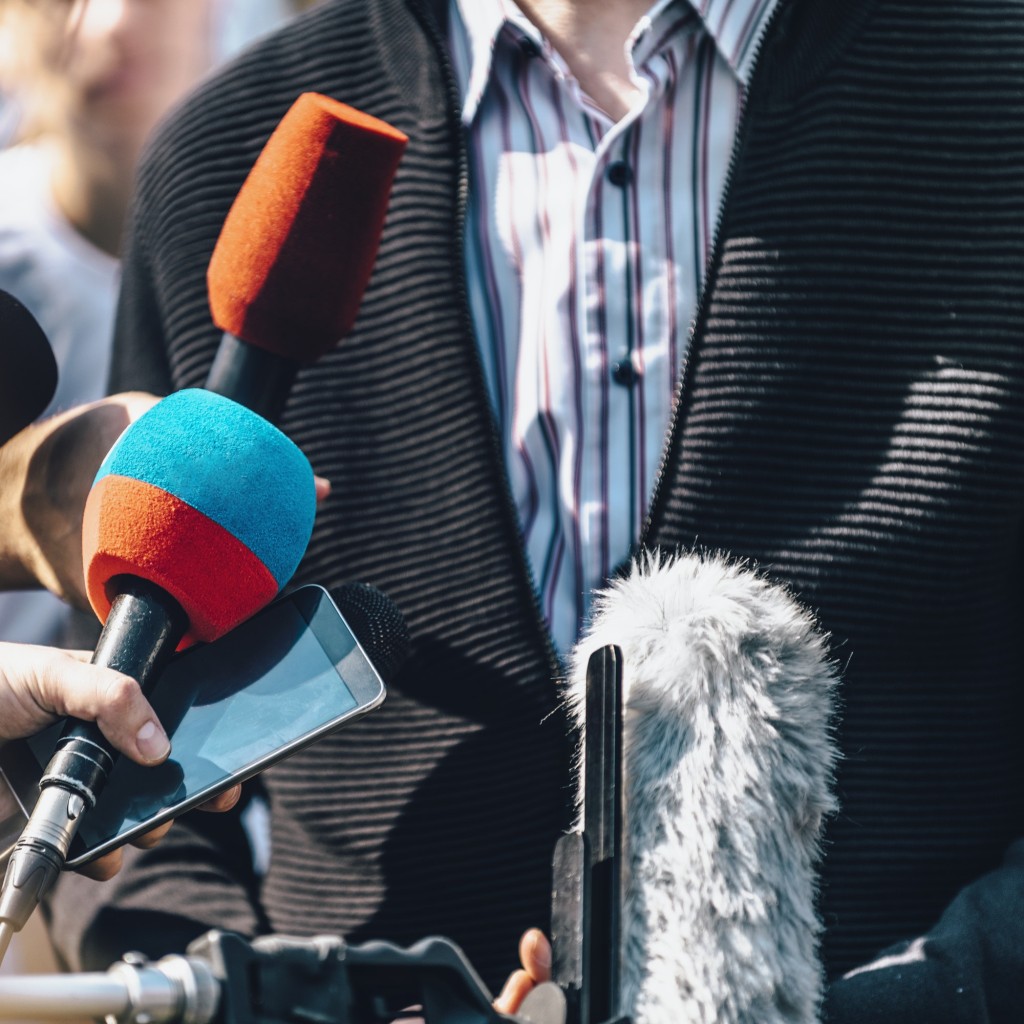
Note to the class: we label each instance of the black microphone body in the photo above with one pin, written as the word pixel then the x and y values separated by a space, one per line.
pixel 28 369
pixel 254 377
pixel 377 623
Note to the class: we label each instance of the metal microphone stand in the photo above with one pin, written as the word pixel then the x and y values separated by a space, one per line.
pixel 225 979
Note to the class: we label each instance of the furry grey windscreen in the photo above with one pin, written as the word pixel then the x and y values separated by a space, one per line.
pixel 728 761
pixel 378 625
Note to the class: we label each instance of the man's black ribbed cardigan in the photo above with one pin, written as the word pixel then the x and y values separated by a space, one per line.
pixel 851 420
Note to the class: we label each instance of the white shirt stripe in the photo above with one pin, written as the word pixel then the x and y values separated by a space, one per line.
pixel 586 246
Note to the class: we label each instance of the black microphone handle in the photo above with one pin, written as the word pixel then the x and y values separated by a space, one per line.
pixel 141 632
pixel 143 629
pixel 251 376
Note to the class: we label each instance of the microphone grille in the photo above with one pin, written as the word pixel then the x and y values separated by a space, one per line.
pixel 378 625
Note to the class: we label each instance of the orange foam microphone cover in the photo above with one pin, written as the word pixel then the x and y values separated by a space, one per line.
pixel 297 248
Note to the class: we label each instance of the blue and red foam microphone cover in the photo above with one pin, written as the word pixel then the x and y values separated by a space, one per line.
pixel 207 500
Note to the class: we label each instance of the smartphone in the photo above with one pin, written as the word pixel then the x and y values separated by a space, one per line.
pixel 279 681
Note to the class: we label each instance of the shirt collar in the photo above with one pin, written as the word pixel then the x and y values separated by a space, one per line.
pixel 474 29
pixel 734 25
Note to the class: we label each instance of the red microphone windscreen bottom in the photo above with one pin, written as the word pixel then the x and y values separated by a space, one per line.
pixel 131 527
pixel 298 245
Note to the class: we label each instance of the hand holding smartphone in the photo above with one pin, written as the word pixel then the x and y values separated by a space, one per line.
pixel 290 674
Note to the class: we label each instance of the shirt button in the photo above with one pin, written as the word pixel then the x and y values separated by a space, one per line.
pixel 619 173
pixel 624 373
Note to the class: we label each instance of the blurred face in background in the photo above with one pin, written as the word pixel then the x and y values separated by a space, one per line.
pixel 103 71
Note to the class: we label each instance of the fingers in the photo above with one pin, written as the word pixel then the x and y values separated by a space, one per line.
pixel 535 954
pixel 47 479
pixel 323 488
pixel 153 836
pixel 223 801
pixel 104 868
pixel 513 993
pixel 113 700
pixel 134 403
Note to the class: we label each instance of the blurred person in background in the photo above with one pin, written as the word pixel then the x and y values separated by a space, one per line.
pixel 83 84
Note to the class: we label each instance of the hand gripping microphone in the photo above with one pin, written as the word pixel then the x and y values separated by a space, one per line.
pixel 28 371
pixel 727 760
pixel 198 516
pixel 297 247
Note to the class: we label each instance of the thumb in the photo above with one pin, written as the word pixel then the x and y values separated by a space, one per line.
pixel 535 954
pixel 70 686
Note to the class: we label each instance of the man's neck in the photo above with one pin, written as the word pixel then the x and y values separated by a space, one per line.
pixel 92 189
pixel 591 37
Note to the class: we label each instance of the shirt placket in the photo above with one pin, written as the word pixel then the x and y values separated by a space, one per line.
pixel 616 333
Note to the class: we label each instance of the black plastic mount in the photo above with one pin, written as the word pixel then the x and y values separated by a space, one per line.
pixel 283 980
pixel 321 980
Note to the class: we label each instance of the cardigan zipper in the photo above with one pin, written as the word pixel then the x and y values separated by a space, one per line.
pixel 674 439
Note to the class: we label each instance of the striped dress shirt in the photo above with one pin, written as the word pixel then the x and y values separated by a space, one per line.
pixel 586 247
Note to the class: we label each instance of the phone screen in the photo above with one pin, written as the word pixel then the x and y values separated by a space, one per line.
pixel 276 681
